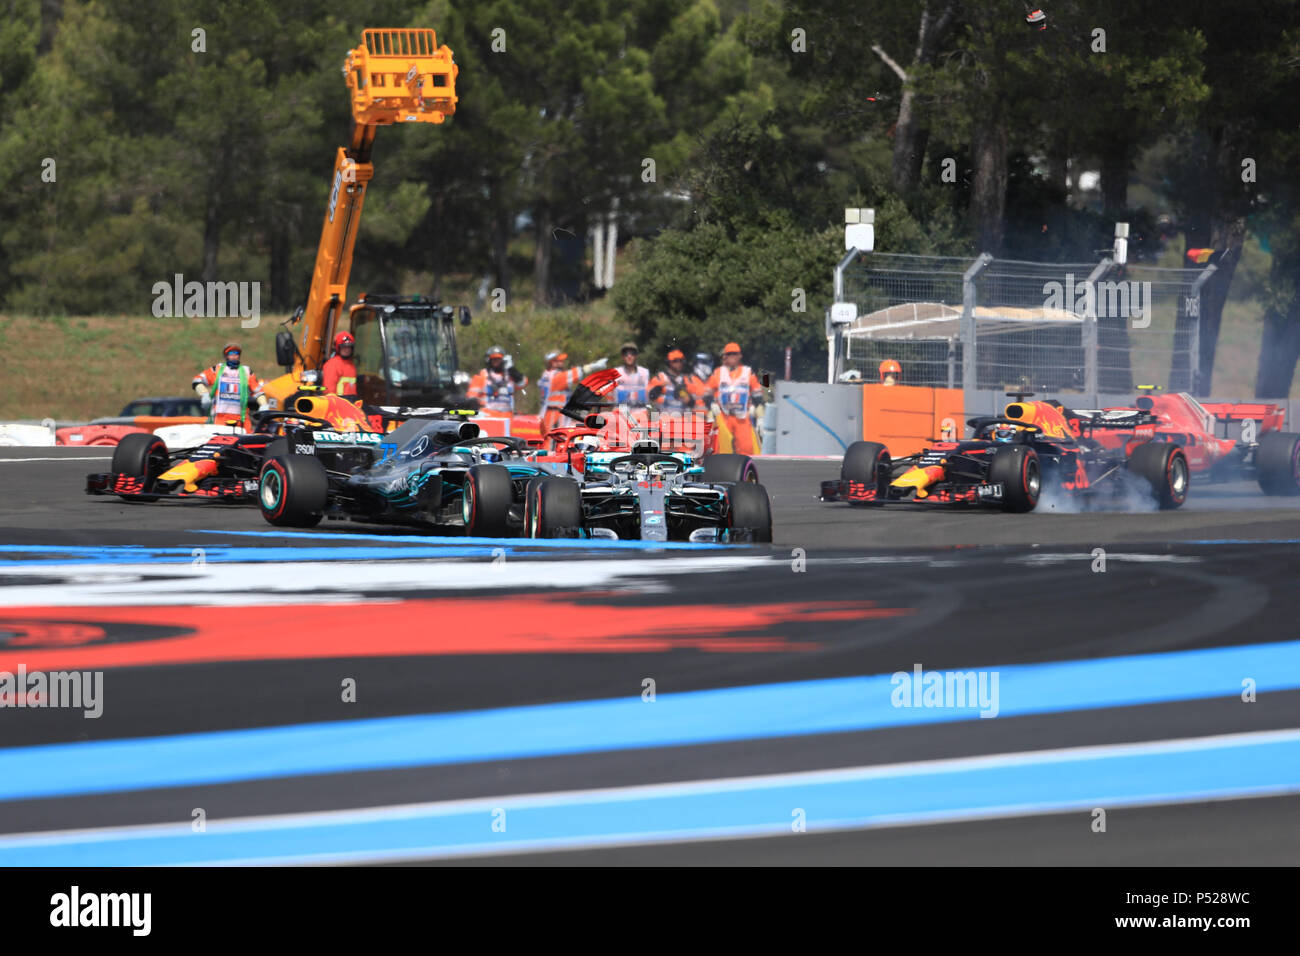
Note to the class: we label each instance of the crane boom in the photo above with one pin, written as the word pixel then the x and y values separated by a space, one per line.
pixel 393 76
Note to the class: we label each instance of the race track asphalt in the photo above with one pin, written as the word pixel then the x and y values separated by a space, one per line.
pixel 580 703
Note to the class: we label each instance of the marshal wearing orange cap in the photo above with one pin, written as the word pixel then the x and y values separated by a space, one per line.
pixel 676 389
pixel 737 398
pixel 890 372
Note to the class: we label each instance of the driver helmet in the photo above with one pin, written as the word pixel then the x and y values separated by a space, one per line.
pixel 586 443
pixel 489 455
pixel 703 364
pixel 1004 432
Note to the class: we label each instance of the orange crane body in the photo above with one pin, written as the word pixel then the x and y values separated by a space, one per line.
pixel 393 76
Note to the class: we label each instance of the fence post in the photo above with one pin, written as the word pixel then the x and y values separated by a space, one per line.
pixel 834 334
pixel 1192 305
pixel 1090 379
pixel 969 295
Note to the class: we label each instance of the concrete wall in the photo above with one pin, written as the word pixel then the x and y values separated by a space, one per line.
pixel 809 418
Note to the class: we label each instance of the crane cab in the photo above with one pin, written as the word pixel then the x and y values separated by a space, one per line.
pixel 406 351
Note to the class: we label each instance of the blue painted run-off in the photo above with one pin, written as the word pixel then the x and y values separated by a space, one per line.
pixel 731 714
pixel 1112 776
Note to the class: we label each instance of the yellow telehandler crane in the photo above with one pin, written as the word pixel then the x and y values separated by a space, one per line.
pixel 405 345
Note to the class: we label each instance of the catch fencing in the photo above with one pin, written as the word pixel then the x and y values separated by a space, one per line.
pixel 1002 324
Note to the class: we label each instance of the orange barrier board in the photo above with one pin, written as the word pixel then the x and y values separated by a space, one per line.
pixel 905 417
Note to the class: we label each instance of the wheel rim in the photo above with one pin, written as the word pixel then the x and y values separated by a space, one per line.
pixel 467 504
pixel 1033 480
pixel 272 489
pixel 1178 477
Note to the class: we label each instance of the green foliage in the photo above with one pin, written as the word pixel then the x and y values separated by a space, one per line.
pixel 527 334
pixel 763 119
pixel 697 289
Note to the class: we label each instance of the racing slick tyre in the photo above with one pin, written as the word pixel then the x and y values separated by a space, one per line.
pixel 485 504
pixel 867 463
pixel 1277 463
pixel 749 509
pixel 140 455
pixel 1164 466
pixel 1016 468
pixel 293 491
pixel 530 500
pixel 556 505
pixel 733 468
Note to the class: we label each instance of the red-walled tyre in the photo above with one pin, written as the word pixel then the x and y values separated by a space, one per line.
pixel 1017 469
pixel 1164 466
pixel 556 507
pixel 485 504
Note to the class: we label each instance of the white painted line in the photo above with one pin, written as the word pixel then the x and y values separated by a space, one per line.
pixel 268 583
pixel 4 461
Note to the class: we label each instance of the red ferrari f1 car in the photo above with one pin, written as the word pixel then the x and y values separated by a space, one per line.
pixel 1264 453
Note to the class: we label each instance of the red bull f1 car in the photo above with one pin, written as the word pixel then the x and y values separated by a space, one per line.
pixel 226 467
pixel 1034 449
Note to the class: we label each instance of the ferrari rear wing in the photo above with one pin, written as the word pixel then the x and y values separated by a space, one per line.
pixel 1271 417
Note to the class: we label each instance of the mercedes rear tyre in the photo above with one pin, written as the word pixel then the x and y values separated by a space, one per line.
pixel 143 456
pixel 1163 466
pixel 732 468
pixel 1277 463
pixel 293 491
pixel 485 505
pixel 750 510
pixel 530 498
pixel 555 507
pixel 1017 470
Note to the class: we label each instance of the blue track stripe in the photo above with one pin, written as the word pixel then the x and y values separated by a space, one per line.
pixel 1123 775
pixel 454 548
pixel 561 544
pixel 743 713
